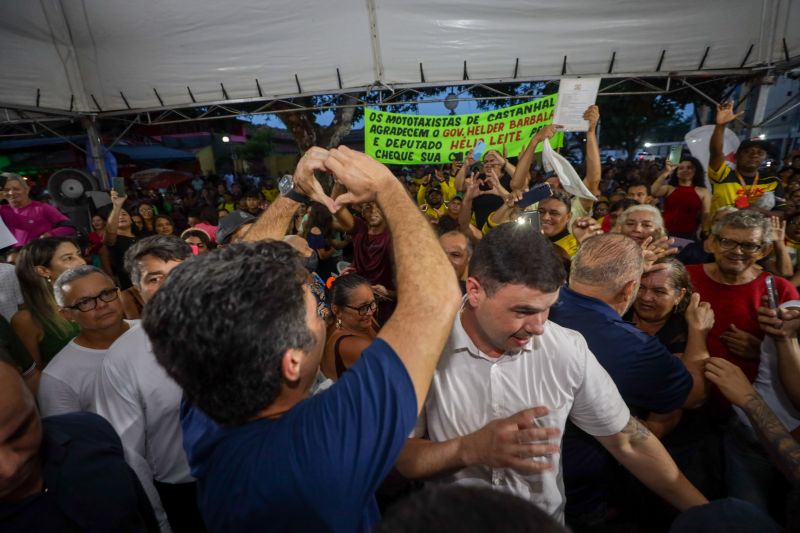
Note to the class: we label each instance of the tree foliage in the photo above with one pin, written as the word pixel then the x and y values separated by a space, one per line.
pixel 257 147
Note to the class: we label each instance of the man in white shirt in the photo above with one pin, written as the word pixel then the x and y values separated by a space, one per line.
pixel 138 398
pixel 509 379
pixel 88 296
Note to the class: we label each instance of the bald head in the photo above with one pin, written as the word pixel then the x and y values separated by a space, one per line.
pixel 607 261
pixel 20 438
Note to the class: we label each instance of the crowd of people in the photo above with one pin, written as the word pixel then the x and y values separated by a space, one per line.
pixel 407 349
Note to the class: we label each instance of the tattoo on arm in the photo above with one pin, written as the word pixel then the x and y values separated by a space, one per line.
pixel 778 443
pixel 637 431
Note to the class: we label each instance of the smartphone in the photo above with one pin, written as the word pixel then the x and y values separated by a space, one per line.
pixel 477 152
pixel 119 185
pixel 532 218
pixel 675 154
pixel 772 294
pixel 536 194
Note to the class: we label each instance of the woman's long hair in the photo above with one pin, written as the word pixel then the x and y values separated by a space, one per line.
pixel 36 291
pixel 699 179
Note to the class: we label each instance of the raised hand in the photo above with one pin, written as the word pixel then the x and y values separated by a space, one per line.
pixel 655 250
pixel 585 227
pixel 469 159
pixel 117 201
pixel 363 176
pixel 305 181
pixel 699 315
pixel 778 229
pixel 548 131
pixel 725 114
pixel 512 442
pixel 592 114
pixel 494 180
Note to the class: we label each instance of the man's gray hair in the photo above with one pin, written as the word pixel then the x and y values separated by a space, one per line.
pixel 10 176
pixel 610 260
pixel 71 275
pixel 745 219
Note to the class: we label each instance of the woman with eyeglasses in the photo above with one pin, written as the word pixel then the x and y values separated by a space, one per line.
pixel 88 297
pixel 39 326
pixel 353 305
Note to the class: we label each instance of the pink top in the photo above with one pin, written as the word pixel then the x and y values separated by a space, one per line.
pixel 30 222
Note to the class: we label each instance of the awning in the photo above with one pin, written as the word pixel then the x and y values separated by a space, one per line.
pixel 119 55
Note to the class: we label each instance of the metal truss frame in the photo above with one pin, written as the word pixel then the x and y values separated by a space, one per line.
pixel 20 121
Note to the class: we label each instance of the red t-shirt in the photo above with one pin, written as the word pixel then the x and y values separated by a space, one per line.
pixel 736 304
pixel 372 255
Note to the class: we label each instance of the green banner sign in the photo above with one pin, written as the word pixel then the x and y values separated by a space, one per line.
pixel 414 139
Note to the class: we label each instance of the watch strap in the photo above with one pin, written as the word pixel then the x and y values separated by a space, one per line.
pixel 298 197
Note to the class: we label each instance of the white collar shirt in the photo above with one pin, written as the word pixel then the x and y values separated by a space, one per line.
pixel 555 369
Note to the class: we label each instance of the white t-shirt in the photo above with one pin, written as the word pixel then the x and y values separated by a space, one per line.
pixel 768 384
pixel 67 383
pixel 135 394
pixel 556 369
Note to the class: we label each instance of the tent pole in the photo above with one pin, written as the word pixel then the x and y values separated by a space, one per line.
pixel 96 149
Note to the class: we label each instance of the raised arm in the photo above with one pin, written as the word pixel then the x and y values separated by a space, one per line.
pixel 522 174
pixel 427 293
pixel 464 172
pixel 725 115
pixel 660 187
pixel 342 218
pixel 593 167
pixel 783 261
pixel 272 223
pixel 778 443
pixel 700 320
pixel 112 224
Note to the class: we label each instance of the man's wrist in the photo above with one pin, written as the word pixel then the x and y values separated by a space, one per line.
pixel 387 189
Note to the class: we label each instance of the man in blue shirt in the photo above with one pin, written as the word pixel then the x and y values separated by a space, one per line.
pixel 237 328
pixel 604 281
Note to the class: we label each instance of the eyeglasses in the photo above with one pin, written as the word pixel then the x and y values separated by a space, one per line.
pixel 84 305
pixel 730 244
pixel 365 309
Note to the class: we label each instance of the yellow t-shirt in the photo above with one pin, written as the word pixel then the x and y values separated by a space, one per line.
pixel 726 189
pixel 434 213
pixel 270 194
pixel 448 191
pixel 567 241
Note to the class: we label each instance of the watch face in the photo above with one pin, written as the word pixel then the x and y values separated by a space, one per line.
pixel 286 184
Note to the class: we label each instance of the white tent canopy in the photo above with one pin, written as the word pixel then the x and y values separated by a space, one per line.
pixel 104 55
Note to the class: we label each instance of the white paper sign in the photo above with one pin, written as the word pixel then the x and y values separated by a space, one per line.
pixel 575 95
pixel 6 237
